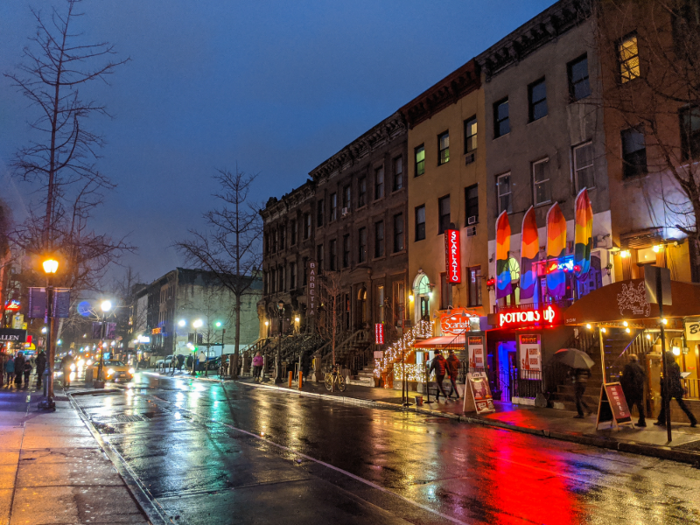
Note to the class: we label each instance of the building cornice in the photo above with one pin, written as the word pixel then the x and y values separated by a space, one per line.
pixel 542 29
pixel 297 196
pixel 444 93
pixel 379 135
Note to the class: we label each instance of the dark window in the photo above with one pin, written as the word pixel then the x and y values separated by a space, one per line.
pixel 444 148
pixel 333 255
pixel 398 233
pixel 634 152
pixel 628 58
pixel 362 192
pixel 305 274
pixel 307 226
pixel 504 192
pixel 583 166
pixel 293 233
pixel 292 276
pixel 282 272
pixel 420 160
pixel 501 122
pixel 320 210
pixel 283 229
pixel 538 99
pixel 362 245
pixel 420 222
pixel 275 236
pixel 398 174
pixel 347 200
pixel 474 285
pixel 346 251
pixel 273 281
pixel 319 257
pixel 379 239
pixel 471 204
pixel 444 211
pixel 379 183
pixel 334 206
pixel 540 182
pixel 690 133
pixel 470 135
pixel 445 292
pixel 579 85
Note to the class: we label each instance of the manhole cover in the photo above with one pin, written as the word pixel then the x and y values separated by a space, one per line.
pixel 121 418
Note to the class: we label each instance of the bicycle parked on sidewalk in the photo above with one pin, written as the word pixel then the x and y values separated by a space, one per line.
pixel 333 378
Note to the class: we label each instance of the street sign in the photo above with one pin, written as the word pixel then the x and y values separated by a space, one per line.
pixel 652 274
pixel 379 334
pixel 477 394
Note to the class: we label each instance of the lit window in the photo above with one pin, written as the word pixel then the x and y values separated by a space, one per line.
pixel 420 160
pixel 628 56
pixel 444 148
pixel 470 135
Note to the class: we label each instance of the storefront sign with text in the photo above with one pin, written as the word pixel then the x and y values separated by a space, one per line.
pixel 475 344
pixel 530 356
pixel 311 287
pixel 453 262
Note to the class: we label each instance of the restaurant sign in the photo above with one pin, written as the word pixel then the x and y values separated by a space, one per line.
pixel 453 264
pixel 10 335
pixel 312 270
pixel 456 322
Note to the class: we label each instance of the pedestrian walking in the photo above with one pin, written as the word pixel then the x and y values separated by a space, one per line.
pixel 305 364
pixel 581 376
pixel 19 368
pixel 189 361
pixel 66 363
pixel 675 391
pixel 439 364
pixel 180 362
pixel 257 366
pixel 40 368
pixel 27 371
pixel 10 371
pixel 453 371
pixel 202 361
pixel 632 381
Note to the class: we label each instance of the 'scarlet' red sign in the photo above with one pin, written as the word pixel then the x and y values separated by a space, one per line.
pixel 452 257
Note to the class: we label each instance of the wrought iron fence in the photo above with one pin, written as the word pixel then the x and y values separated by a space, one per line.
pixel 692 387
pixel 507 384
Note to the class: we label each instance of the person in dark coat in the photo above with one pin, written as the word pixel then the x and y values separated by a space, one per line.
pixel 189 361
pixel 19 368
pixel 305 364
pixel 439 364
pixel 632 381
pixel 675 391
pixel 40 367
pixel 581 376
pixel 453 371
pixel 180 362
pixel 27 371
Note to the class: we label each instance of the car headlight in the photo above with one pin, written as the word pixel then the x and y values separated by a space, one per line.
pixel 89 362
pixel 132 371
pixel 72 367
pixel 110 371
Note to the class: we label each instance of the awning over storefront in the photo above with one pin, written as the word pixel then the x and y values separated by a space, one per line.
pixel 446 341
pixel 626 301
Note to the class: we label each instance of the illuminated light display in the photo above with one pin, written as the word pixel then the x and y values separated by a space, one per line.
pixel 402 347
pixel 518 318
pixel 414 372
pixel 453 262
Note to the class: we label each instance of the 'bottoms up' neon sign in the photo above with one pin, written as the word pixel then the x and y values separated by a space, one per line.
pixel 527 317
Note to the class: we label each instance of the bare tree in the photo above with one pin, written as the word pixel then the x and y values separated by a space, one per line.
pixel 330 324
pixel 60 162
pixel 5 227
pixel 650 56
pixel 231 247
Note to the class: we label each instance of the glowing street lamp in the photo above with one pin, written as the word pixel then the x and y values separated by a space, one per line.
pixel 50 266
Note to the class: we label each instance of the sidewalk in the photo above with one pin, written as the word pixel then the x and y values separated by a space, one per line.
pixel 545 422
pixel 52 470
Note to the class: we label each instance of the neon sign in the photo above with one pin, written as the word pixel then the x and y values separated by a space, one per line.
pixel 457 322
pixel 452 257
pixel 527 317
pixel 13 305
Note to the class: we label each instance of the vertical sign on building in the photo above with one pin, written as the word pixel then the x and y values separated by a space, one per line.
pixel 453 262
pixel 379 333
pixel 312 270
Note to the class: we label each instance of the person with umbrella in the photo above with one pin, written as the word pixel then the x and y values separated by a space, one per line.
pixel 581 365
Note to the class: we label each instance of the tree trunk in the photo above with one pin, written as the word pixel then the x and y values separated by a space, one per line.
pixel 237 337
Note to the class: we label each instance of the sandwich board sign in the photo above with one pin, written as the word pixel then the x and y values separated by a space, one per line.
pixel 612 407
pixel 477 394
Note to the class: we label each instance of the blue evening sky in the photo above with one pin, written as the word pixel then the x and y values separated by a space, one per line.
pixel 274 86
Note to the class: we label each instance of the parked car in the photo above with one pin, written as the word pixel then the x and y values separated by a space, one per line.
pixel 164 364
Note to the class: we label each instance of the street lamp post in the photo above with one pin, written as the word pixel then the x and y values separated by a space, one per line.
pixel 106 306
pixel 280 313
pixel 50 268
pixel 195 324
pixel 219 324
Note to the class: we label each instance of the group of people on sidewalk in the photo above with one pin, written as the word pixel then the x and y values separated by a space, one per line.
pixel 445 367
pixel 633 380
pixel 18 369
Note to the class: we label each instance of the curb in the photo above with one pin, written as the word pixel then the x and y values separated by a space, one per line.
pixel 654 451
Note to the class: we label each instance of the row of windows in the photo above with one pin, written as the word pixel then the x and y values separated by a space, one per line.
pixel 471 206
pixel 275 239
pixel 579 88
pixel 470 143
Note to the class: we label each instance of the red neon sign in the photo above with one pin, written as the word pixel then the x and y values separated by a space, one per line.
pixel 379 333
pixel 527 317
pixel 13 305
pixel 453 262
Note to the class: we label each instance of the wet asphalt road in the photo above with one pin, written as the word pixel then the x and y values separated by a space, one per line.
pixel 212 454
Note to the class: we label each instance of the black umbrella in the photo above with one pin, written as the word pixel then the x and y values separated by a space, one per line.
pixel 574 358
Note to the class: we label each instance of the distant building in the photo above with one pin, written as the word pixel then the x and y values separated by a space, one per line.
pixel 167 309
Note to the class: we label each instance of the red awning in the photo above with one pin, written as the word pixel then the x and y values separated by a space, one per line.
pixel 446 341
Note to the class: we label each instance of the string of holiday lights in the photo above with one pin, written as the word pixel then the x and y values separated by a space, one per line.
pixel 401 349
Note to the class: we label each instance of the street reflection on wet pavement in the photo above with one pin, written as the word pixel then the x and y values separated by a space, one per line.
pixel 207 452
